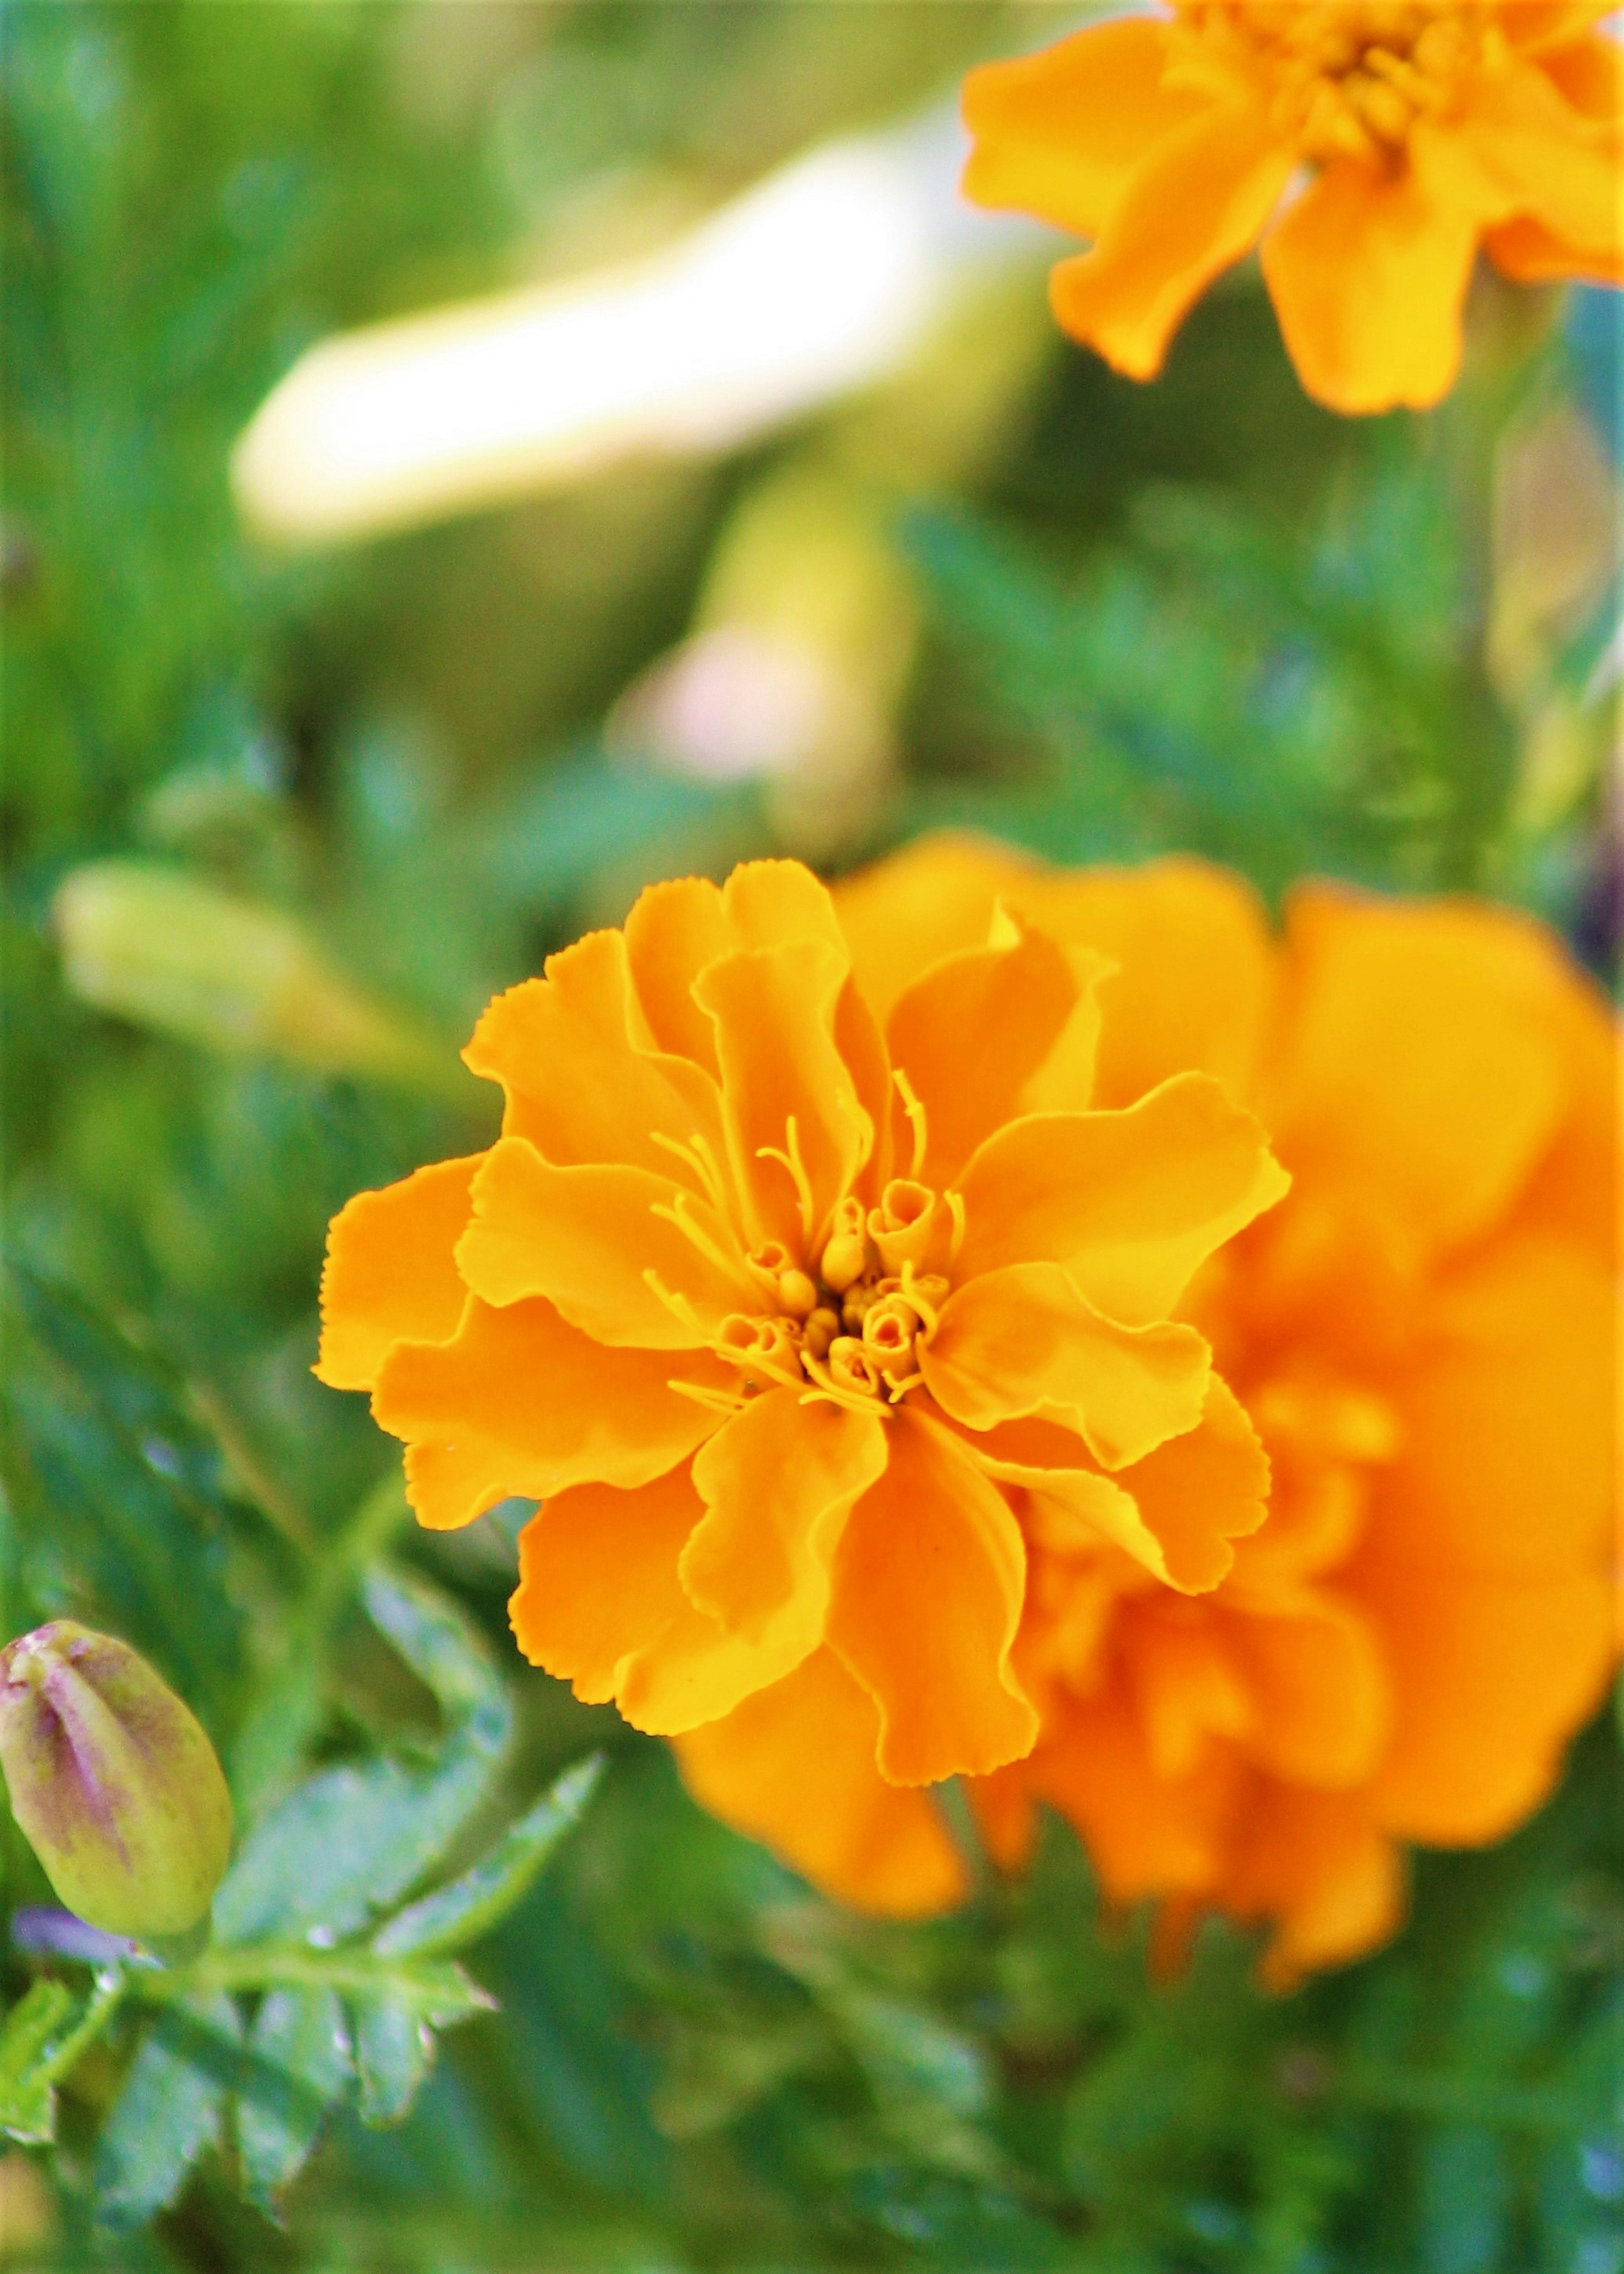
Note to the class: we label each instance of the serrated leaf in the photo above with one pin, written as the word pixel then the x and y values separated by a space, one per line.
pixel 169 2109
pixel 298 2063
pixel 32 2028
pixel 393 2049
pixel 472 1905
pixel 351 1841
pixel 44 2035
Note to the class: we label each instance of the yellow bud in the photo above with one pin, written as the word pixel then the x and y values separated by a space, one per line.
pixel 112 1781
pixel 168 950
pixel 797 1293
pixel 845 1258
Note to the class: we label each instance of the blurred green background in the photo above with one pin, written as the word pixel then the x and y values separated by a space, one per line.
pixel 1103 620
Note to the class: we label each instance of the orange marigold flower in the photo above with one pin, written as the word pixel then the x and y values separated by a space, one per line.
pixel 1416 129
pixel 1422 1335
pixel 768 1305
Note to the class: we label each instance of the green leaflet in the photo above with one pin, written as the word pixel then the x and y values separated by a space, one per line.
pixel 297 2064
pixel 348 1842
pixel 471 1906
pixel 45 2033
pixel 169 2109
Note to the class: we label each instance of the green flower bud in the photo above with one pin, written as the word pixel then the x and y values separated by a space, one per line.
pixel 112 1780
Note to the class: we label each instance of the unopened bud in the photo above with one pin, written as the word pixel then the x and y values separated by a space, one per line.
pixel 112 1780
pixel 168 950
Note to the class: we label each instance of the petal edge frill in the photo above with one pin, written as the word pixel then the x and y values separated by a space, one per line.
pixel 558 1408
pixel 390 1274
pixel 584 1079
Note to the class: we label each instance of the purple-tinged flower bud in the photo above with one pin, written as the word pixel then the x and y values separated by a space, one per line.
pixel 113 1783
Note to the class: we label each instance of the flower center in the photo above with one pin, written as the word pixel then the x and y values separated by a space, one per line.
pixel 849 1332
pixel 1352 76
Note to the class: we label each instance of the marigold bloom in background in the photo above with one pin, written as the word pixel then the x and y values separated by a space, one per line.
pixel 1416 131
pixel 775 1309
pixel 1423 1334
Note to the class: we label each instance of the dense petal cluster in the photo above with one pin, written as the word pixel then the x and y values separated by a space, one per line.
pixel 1422 1333
pixel 778 1310
pixel 1415 130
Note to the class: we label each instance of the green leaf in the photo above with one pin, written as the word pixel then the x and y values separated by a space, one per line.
pixel 32 2028
pixel 393 2047
pixel 137 1534
pixel 298 2064
pixel 348 1842
pixel 472 1905
pixel 44 2035
pixel 169 2109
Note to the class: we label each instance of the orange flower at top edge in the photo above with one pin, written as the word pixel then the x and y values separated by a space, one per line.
pixel 772 1308
pixel 1424 1334
pixel 1417 130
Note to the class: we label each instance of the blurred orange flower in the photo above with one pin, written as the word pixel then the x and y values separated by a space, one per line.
pixel 1425 129
pixel 1423 1334
pixel 773 1310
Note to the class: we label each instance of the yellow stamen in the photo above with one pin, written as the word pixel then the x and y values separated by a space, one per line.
pixel 956 1209
pixel 710 1249
pixel 897 1390
pixel 725 1402
pixel 695 1152
pixel 923 1304
pixel 680 1308
pixel 915 1111
pixel 791 1159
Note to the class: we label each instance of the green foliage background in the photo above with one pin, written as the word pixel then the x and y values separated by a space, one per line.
pixel 1202 615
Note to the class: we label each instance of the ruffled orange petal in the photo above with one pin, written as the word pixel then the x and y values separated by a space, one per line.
pixel 1176 1512
pixel 1129 1202
pixel 1146 1834
pixel 1191 209
pixel 600 1600
pixel 1491 1677
pixel 1059 132
pixel 584 1078
pixel 1419 1071
pixel 1187 1689
pixel 1509 1428
pixel 1194 984
pixel 1021 1340
pixel 1522 149
pixel 676 928
pixel 557 1408
pixel 1320 1864
pixel 1368 274
pixel 598 1579
pixel 793 1766
pixel 932 1532
pixel 390 1274
pixel 1314 1670
pixel 597 1242
pixel 779 1483
pixel 971 1034
pixel 449 1485
pixel 775 1011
